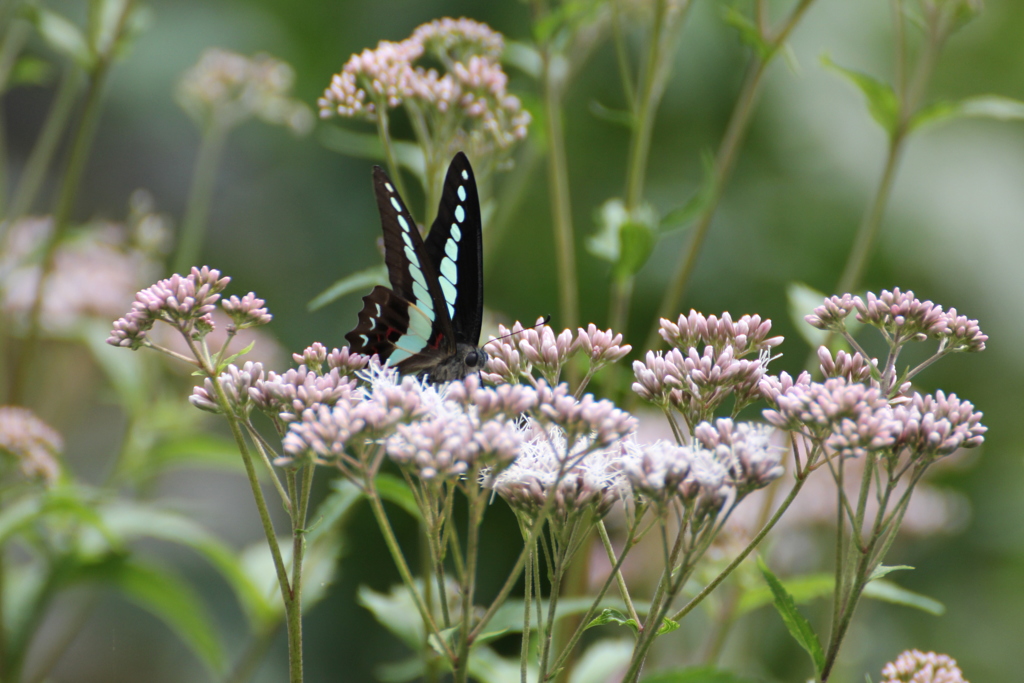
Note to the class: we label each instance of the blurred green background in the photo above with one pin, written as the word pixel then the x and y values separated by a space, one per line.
pixel 290 217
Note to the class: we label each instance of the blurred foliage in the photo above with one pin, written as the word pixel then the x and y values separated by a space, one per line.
pixel 290 216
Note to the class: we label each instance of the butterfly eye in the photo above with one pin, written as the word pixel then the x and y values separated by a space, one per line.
pixel 472 358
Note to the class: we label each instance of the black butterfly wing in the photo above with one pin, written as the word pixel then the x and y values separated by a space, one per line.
pixel 407 325
pixel 455 249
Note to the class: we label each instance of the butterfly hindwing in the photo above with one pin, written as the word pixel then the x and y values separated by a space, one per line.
pixel 455 249
pixel 408 325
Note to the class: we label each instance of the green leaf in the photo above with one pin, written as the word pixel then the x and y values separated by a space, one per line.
pixel 601 657
pixel 394 490
pixel 524 57
pixel 897 595
pixel 396 611
pixel 172 600
pixel 802 300
pixel 980 107
pixel 881 570
pixel 69 501
pixel 134 521
pixel 235 356
pixel 802 589
pixel 795 622
pixel 625 238
pixel 194 449
pixel 750 34
pixel 667 626
pixel 356 282
pixel 808 587
pixel 614 616
pixel 124 369
pixel 700 674
pixel 616 116
pixel 62 35
pixel 509 616
pixel 105 24
pixel 636 242
pixel 29 70
pixel 368 146
pixel 881 98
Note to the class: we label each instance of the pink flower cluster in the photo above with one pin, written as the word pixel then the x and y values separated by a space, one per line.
pixel 473 84
pixel 914 666
pixel 697 383
pixel 227 88
pixel 747 335
pixel 31 442
pixel 517 352
pixel 854 419
pixel 903 318
pixel 185 302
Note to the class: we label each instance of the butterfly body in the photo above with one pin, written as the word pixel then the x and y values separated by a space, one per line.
pixel 428 322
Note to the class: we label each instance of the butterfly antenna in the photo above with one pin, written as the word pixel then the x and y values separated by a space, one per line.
pixel 545 321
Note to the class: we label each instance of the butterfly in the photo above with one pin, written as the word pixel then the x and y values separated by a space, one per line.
pixel 428 322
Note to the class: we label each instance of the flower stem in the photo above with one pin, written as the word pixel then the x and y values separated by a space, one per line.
pixel 377 506
pixel 555 71
pixel 46 145
pixel 200 194
pixel 81 144
pixel 697 599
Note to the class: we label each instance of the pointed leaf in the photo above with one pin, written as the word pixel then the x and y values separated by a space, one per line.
pixel 881 570
pixel 29 70
pixel 134 521
pixel 613 616
pixel 603 656
pixel 524 57
pixel 364 280
pixel 802 589
pixel 795 622
pixel 618 117
pixel 749 33
pixel 981 107
pixel 395 490
pixel 881 99
pixel 62 35
pixel 396 611
pixel 636 243
pixel 369 146
pixel 166 596
pixel 897 595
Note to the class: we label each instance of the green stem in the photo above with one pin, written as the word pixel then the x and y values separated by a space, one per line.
pixel 377 506
pixel 725 161
pixel 697 599
pixel 384 131
pixel 200 194
pixel 555 72
pixel 80 146
pixel 46 145
pixel 476 507
pixel 871 224
pixel 524 649
pixel 292 606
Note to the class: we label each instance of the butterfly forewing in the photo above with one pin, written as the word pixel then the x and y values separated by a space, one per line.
pixel 454 248
pixel 408 325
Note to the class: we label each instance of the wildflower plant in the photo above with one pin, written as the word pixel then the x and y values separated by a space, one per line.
pixel 534 431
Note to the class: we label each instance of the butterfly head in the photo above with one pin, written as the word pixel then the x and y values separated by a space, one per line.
pixel 467 360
